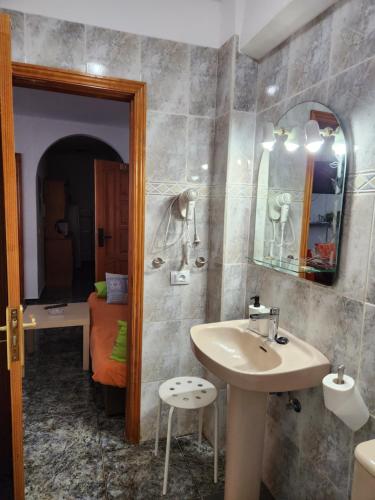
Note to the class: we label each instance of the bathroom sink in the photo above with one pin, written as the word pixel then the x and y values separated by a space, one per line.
pixel 252 367
pixel 245 360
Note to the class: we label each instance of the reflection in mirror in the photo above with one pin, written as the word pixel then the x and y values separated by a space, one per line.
pixel 300 193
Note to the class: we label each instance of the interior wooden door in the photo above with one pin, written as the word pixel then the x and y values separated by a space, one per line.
pixel 5 401
pixel 111 218
pixel 11 382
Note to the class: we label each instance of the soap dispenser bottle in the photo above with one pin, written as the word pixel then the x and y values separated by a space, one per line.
pixel 259 326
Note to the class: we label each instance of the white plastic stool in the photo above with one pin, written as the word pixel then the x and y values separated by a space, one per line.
pixel 188 393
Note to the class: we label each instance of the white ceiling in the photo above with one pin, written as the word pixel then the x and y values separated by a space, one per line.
pixel 68 107
pixel 268 23
pixel 189 21
pixel 260 24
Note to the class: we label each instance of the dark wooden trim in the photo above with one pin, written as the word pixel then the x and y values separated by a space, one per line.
pixel 75 82
pixel 58 80
pixel 136 259
pixel 324 118
pixel 305 229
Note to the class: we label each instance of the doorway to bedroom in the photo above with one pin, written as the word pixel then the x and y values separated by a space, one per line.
pixel 63 141
pixel 102 89
pixel 67 181
pixel 75 368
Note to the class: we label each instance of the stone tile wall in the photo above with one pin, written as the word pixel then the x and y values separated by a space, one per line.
pixel 310 455
pixel 181 86
pixel 195 119
pixel 232 195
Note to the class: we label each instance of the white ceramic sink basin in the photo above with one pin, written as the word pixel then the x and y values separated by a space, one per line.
pixel 253 367
pixel 244 359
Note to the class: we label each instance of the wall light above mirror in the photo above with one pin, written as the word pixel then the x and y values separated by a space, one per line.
pixel 312 137
pixel 300 193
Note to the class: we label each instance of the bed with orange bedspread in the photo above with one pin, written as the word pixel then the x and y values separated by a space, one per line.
pixel 103 333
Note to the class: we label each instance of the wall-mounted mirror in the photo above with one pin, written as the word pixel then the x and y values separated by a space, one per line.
pixel 300 193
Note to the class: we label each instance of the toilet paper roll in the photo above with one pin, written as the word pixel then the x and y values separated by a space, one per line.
pixel 345 401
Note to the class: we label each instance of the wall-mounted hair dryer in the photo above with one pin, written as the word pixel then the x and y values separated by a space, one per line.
pixel 279 207
pixel 284 201
pixel 186 203
pixel 279 212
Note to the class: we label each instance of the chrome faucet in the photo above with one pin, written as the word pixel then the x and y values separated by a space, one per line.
pixel 273 316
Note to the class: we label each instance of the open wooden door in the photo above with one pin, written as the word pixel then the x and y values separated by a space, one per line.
pixel 11 368
pixel 329 120
pixel 111 218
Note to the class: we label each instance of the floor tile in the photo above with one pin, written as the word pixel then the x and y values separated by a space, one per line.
pixel 215 496
pixel 135 473
pixel 71 478
pixel 73 451
pixel 112 432
pixel 201 464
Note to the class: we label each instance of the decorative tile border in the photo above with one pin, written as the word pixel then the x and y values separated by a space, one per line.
pixel 174 188
pixel 241 190
pixel 205 191
pixel 297 196
pixel 361 182
pixel 233 191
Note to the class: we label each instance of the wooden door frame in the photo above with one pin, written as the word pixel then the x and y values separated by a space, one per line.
pixel 11 209
pixel 330 119
pixel 73 82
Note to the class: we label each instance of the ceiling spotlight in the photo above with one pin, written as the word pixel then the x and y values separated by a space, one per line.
pixel 314 140
pixel 294 140
pixel 268 141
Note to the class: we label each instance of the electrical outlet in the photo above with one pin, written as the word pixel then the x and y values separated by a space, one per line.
pixel 180 277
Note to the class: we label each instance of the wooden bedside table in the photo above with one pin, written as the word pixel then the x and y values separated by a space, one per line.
pixel 75 314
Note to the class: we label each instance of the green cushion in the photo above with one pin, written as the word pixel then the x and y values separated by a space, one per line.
pixel 101 289
pixel 120 347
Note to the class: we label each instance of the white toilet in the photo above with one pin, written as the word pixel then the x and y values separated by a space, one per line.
pixel 364 472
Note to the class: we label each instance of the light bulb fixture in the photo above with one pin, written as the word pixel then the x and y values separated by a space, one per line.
pixel 294 140
pixel 314 140
pixel 338 143
pixel 339 148
pixel 268 140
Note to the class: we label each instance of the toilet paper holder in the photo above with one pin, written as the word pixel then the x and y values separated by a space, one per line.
pixel 340 375
pixel 343 398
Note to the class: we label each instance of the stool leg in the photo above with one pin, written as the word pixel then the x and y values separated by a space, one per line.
pixel 157 428
pixel 167 450
pixel 216 441
pixel 200 426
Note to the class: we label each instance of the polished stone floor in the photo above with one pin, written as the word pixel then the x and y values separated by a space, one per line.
pixel 73 451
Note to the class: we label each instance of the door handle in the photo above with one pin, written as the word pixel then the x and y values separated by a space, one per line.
pixel 102 237
pixel 14 329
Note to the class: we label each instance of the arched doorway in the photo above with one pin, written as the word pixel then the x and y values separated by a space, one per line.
pixel 65 212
